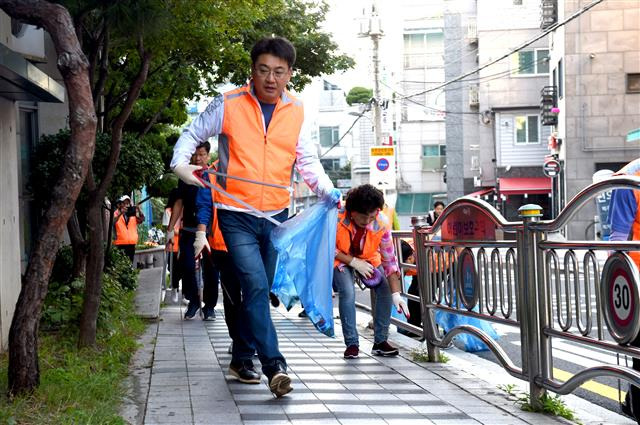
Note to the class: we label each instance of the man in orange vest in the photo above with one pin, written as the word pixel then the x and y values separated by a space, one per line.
pixel 127 229
pixel 258 127
pixel 364 248
pixel 624 218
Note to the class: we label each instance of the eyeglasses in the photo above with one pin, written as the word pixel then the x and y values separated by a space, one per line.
pixel 278 73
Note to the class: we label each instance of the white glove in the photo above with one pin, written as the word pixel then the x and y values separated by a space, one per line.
pixel 185 173
pixel 401 306
pixel 170 235
pixel 201 242
pixel 362 267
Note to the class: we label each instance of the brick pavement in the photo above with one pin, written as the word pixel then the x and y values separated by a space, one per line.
pixel 189 382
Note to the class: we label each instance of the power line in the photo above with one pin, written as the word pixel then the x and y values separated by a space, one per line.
pixel 344 135
pixel 517 49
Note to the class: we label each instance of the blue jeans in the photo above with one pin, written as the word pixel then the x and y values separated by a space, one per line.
pixel 343 284
pixel 253 257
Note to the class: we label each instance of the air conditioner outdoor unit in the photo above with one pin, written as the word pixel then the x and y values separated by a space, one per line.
pixel 474 99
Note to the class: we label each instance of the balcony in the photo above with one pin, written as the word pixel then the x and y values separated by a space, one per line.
pixel 548 101
pixel 548 13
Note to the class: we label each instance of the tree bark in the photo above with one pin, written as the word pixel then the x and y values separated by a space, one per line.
pixel 95 263
pixel 24 374
pixel 78 246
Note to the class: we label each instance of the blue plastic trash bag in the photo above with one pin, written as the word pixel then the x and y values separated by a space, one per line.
pixel 394 312
pixel 467 342
pixel 306 246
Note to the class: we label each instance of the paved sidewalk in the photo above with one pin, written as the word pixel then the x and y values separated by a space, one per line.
pixel 189 382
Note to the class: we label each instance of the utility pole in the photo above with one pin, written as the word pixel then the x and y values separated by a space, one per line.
pixel 374 31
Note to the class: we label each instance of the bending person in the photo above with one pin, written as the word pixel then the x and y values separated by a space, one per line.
pixel 364 250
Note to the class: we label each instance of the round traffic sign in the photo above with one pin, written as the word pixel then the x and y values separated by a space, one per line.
pixel 619 293
pixel 467 279
pixel 551 168
pixel 382 164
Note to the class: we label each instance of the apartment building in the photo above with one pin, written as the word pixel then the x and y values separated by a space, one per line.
pixel 496 144
pixel 595 83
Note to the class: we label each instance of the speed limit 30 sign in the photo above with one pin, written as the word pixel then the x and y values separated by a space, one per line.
pixel 619 293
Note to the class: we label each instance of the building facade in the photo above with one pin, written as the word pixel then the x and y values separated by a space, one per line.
pixel 31 96
pixel 496 143
pixel 595 74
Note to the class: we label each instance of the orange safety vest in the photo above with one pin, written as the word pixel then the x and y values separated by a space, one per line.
pixel 176 238
pixel 216 241
pixel 635 227
pixel 247 151
pixel 370 250
pixel 126 234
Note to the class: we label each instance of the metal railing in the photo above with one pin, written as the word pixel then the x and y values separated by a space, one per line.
pixel 541 286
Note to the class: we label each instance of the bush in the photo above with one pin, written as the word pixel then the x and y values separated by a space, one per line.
pixel 63 303
pixel 119 267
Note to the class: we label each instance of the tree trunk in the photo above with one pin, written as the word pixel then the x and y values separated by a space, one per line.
pixel 78 246
pixel 95 263
pixel 24 373
pixel 93 279
pixel 112 210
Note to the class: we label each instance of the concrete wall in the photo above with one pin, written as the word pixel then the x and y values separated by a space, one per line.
pixel 599 49
pixel 10 281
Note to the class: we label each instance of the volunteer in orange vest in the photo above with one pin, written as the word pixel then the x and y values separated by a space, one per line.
pixel 364 250
pixel 172 245
pixel 191 267
pixel 126 228
pixel 242 349
pixel 624 218
pixel 258 127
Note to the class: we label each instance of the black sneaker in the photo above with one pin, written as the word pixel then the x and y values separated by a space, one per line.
pixel 245 372
pixel 208 314
pixel 384 349
pixel 274 300
pixel 280 383
pixel 192 310
pixel 303 313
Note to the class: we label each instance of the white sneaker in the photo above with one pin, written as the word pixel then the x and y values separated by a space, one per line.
pixel 174 295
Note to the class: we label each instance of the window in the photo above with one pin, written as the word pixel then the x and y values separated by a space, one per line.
pixel 331 164
pixel 633 83
pixel 416 203
pixel 424 50
pixel 434 150
pixel 327 86
pixel 530 62
pixel 329 136
pixel 527 129
pixel 560 80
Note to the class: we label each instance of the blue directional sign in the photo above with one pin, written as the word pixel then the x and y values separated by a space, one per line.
pixel 382 164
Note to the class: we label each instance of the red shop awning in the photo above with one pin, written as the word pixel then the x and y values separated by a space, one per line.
pixel 482 192
pixel 525 185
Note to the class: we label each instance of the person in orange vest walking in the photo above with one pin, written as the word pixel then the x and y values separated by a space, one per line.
pixel 172 246
pixel 624 218
pixel 126 229
pixel 364 250
pixel 258 127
